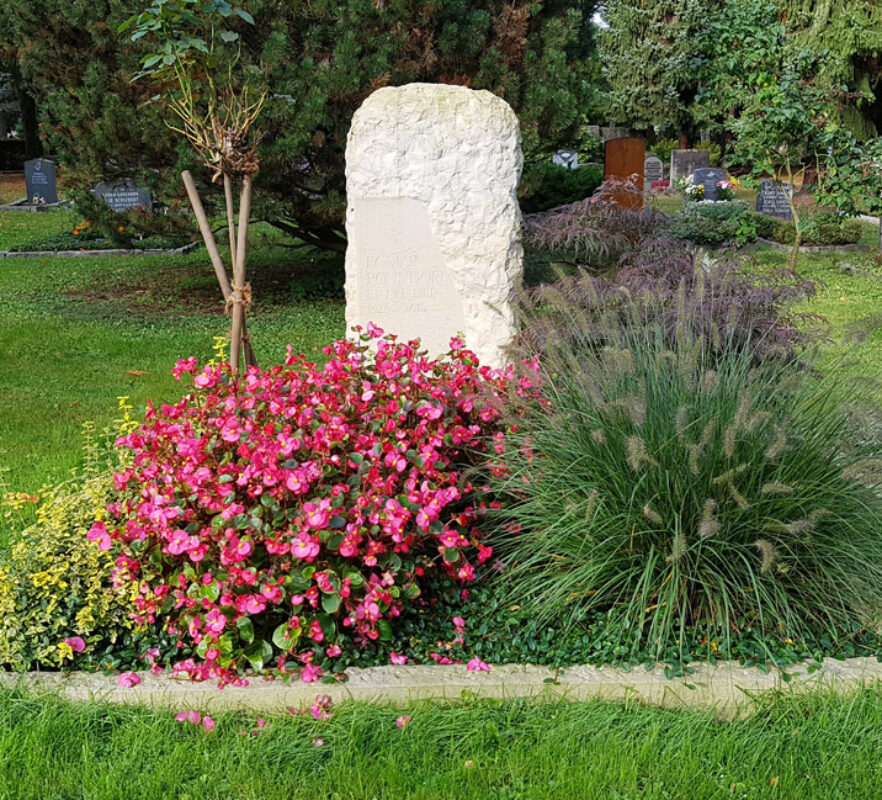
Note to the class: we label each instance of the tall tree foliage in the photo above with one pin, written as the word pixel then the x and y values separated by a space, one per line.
pixel 320 59
pixel 646 53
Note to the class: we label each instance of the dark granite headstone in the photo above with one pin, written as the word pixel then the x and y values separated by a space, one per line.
pixel 623 160
pixel 566 158
pixel 685 162
pixel 708 177
pixel 772 199
pixel 40 182
pixel 653 169
pixel 123 194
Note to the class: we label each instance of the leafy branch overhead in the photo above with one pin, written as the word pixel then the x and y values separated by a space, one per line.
pixel 192 44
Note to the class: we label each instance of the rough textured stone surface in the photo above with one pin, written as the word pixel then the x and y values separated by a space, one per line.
pixel 726 687
pixel 433 220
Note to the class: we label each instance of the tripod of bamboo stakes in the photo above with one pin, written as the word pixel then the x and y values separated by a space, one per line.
pixel 229 151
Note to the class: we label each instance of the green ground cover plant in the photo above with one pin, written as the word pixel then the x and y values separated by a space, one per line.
pixel 811 747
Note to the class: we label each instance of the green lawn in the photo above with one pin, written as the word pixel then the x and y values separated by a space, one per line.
pixel 814 746
pixel 76 333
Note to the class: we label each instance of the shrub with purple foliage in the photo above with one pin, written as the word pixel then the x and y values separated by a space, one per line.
pixel 730 303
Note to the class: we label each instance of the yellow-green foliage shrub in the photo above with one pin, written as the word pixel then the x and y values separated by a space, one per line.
pixel 55 583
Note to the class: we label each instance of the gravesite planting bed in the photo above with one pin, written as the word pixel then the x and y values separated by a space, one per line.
pixel 725 688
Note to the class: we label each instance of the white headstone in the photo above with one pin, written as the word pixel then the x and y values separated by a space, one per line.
pixel 433 220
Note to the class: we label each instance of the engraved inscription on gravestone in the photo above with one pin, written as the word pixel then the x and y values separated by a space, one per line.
pixel 709 177
pixel 123 194
pixel 685 162
pixel 40 182
pixel 772 199
pixel 402 283
pixel 653 169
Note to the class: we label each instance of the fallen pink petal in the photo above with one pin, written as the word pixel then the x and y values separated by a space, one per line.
pixel 476 665
pixel 127 680
pixel 402 721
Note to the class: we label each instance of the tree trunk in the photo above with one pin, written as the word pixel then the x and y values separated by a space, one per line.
pixel 684 141
pixel 30 124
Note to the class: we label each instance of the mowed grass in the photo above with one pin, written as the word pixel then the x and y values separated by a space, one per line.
pixel 800 747
pixel 77 333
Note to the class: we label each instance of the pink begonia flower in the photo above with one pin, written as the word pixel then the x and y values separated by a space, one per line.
pixel 310 673
pixel 208 724
pixel 75 643
pixel 98 533
pixel 459 622
pixel 128 680
pixel 334 650
pixel 476 665
pixel 402 721
pixel 397 659
pixel 193 717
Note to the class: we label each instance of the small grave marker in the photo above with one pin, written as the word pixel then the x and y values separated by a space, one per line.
pixel 653 169
pixel 40 182
pixel 124 194
pixel 709 177
pixel 566 158
pixel 772 199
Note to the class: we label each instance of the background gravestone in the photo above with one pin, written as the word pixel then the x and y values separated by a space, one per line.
pixel 432 220
pixel 772 199
pixel 566 158
pixel 709 177
pixel 653 169
pixel 40 182
pixel 685 162
pixel 124 194
pixel 624 159
pixel 614 132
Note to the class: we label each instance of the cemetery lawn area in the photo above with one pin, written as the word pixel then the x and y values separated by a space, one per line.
pixel 77 333
pixel 800 747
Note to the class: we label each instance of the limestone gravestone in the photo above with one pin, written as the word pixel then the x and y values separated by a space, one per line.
pixel 772 199
pixel 123 194
pixel 566 158
pixel 708 177
pixel 40 182
pixel 433 220
pixel 685 162
pixel 653 169
pixel 624 159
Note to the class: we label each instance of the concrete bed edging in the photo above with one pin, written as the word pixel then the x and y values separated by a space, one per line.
pixel 725 688
pixel 119 251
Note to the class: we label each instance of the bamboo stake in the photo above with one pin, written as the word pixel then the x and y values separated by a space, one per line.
pixel 250 360
pixel 238 297
pixel 216 261
pixel 207 236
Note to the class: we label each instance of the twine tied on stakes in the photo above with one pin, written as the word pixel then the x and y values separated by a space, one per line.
pixel 240 295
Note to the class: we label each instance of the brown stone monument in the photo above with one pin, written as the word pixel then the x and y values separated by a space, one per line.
pixel 624 160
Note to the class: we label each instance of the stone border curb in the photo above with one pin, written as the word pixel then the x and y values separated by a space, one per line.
pixel 89 253
pixel 813 248
pixel 725 688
